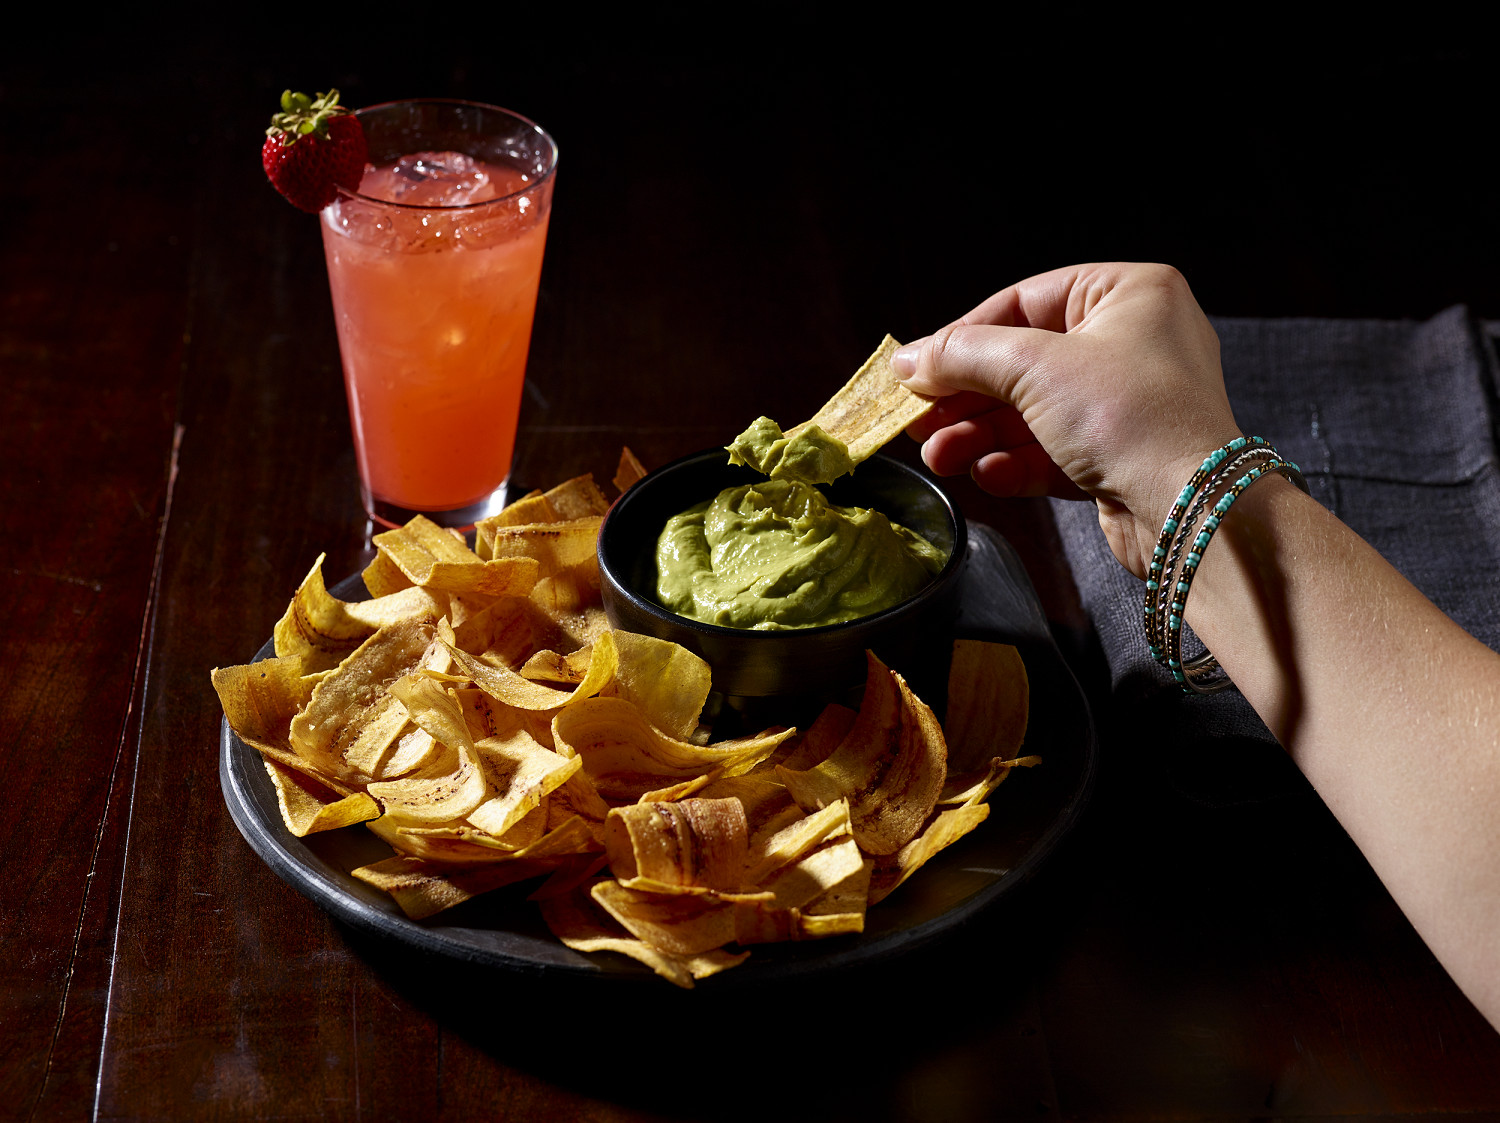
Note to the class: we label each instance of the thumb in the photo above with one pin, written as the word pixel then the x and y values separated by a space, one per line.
pixel 984 358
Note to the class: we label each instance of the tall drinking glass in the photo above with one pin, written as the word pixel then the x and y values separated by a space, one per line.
pixel 434 264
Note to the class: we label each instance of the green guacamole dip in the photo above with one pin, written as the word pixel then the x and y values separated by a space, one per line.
pixel 776 554
pixel 812 456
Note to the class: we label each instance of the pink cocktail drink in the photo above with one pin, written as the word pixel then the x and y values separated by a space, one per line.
pixel 434 266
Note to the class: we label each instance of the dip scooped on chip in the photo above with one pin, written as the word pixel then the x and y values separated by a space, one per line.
pixel 776 553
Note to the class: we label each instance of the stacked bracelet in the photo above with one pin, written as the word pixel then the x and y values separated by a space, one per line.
pixel 1179 549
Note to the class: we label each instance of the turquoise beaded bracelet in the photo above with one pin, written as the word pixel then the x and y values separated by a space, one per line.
pixel 1169 577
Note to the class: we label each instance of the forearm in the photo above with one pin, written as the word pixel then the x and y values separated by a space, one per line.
pixel 1388 707
pixel 1093 379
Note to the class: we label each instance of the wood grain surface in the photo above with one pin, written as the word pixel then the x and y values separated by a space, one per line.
pixel 738 220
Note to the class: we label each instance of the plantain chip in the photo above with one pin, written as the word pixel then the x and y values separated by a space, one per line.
pixel 686 789
pixel 576 919
pixel 625 756
pixel 526 831
pixel 413 749
pixel 945 829
pixel 453 785
pixel 317 627
pixel 487 717
pixel 667 682
pixel 454 843
pixel 814 873
pixel 308 807
pixel 260 700
pixel 572 872
pixel 988 698
pixel 572 836
pixel 764 923
pixel 695 843
pixel 424 888
pixel 559 670
pixel 507 686
pixel 383 577
pixel 531 508
pixel 822 894
pixel 438 560
pixel 573 610
pixel 578 498
pixel 890 767
pixel 768 806
pixel 771 851
pixel 419 545
pixel 459 841
pixel 502 633
pixel 846 898
pixel 603 665
pixel 484 716
pixel 824 735
pixel 975 787
pixel 409 603
pixel 379 735
pixel 675 923
pixel 758 923
pixel 577 798
pixel 448 788
pixel 498 577
pixel 521 773
pixel 351 709
pixel 871 409
pixel 555 546
pixel 630 471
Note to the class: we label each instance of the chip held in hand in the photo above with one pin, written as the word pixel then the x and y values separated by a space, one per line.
pixel 870 410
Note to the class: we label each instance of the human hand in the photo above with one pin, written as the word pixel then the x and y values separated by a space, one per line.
pixel 1095 381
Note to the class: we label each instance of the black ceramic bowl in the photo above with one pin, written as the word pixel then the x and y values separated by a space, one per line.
pixel 811 664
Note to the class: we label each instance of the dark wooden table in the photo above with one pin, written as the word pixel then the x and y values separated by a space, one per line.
pixel 735 227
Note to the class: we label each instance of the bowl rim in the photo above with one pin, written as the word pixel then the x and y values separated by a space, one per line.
pixel 613 579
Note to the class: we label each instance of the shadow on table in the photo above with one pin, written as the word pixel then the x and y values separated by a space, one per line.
pixel 929 1034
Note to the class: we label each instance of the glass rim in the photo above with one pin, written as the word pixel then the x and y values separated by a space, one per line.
pixel 550 141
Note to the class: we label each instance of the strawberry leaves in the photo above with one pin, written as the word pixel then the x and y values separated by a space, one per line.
pixel 313 147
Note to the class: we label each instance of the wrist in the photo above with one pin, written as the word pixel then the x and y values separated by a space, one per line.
pixel 1243 551
pixel 1197 512
pixel 1160 497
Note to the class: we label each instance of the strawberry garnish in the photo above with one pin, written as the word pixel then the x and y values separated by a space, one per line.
pixel 314 147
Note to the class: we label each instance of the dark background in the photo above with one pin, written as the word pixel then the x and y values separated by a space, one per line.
pixel 1284 175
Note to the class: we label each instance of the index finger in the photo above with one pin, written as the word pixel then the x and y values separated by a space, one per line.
pixel 1042 301
pixel 988 348
pixel 949 411
pixel 978 358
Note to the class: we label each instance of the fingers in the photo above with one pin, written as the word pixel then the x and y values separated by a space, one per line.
pixel 1043 301
pixel 950 449
pixel 986 349
pixel 980 358
pixel 1024 472
pixel 949 411
pixel 1000 453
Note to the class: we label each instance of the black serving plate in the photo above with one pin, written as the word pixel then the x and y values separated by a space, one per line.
pixel 1030 813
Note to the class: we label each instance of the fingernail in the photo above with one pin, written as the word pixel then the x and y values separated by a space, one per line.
pixel 904 360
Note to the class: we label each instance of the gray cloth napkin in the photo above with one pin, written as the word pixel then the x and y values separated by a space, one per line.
pixel 1394 424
